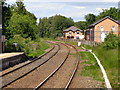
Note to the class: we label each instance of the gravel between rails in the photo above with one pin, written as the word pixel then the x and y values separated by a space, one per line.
pixel 20 72
pixel 62 76
pixel 34 78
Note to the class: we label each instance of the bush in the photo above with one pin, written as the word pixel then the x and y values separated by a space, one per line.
pixel 26 46
pixel 111 41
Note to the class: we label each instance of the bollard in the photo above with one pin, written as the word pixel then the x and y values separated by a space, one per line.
pixel 79 43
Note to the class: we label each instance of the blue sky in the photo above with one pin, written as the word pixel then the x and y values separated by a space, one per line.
pixel 76 9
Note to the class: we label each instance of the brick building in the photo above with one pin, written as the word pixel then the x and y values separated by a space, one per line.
pixel 73 33
pixel 100 29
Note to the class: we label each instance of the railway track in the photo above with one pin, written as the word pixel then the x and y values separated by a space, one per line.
pixel 10 71
pixel 55 80
pixel 13 75
pixel 43 74
pixel 32 79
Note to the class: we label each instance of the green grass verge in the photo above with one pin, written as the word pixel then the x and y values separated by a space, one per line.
pixel 91 69
pixel 109 60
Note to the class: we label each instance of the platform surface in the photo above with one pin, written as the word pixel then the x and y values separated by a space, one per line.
pixel 7 55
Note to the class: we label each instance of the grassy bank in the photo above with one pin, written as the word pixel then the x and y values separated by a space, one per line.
pixel 32 48
pixel 91 67
pixel 109 60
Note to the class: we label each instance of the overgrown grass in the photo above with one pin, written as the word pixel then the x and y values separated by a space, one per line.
pixel 91 69
pixel 109 60
pixel 32 48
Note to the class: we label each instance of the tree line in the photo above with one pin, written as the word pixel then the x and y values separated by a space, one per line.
pixel 17 20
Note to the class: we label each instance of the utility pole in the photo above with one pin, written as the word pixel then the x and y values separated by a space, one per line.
pixel 0 26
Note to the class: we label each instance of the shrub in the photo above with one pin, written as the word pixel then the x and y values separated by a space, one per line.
pixel 111 41
pixel 26 46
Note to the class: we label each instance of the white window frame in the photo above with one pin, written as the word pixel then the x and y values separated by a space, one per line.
pixel 102 28
pixel 77 32
pixel 70 33
pixel 113 29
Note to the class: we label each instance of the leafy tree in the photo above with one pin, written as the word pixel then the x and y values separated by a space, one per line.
pixel 111 41
pixel 54 26
pixel 81 24
pixel 19 8
pixel 6 15
pixel 112 12
pixel 90 18
pixel 23 25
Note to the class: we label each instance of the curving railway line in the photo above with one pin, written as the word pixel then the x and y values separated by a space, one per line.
pixel 17 73
pixel 44 72
pixel 57 79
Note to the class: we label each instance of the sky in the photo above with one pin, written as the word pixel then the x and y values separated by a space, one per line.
pixel 76 9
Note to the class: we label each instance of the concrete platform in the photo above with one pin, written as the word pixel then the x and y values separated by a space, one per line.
pixel 7 55
pixel 10 59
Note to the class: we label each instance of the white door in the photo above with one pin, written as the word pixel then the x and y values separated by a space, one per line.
pixel 103 36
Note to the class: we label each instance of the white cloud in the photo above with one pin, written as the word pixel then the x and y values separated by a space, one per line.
pixel 99 9
pixel 111 0
pixel 79 7
pixel 48 6
pixel 11 1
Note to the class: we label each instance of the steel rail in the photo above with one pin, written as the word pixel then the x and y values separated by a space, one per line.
pixel 38 86
pixel 32 69
pixel 74 69
pixel 29 62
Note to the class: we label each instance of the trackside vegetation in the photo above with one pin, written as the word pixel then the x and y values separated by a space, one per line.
pixel 109 60
pixel 91 67
pixel 107 53
pixel 32 48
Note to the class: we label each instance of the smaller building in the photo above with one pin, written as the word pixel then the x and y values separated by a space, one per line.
pixel 73 33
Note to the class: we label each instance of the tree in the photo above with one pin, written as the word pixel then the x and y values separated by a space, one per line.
pixel 81 24
pixel 90 18
pixel 54 26
pixel 23 25
pixel 111 41
pixel 6 15
pixel 112 12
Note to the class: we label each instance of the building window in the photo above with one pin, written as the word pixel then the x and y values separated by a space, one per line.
pixel 113 28
pixel 77 37
pixel 70 32
pixel 102 28
pixel 77 32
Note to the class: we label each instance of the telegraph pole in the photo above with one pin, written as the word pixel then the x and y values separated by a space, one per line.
pixel 0 26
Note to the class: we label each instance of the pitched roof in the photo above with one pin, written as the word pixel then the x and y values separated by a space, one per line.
pixel 102 20
pixel 72 28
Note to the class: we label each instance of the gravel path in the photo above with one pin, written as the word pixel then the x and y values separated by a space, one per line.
pixel 20 72
pixel 34 78
pixel 62 76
